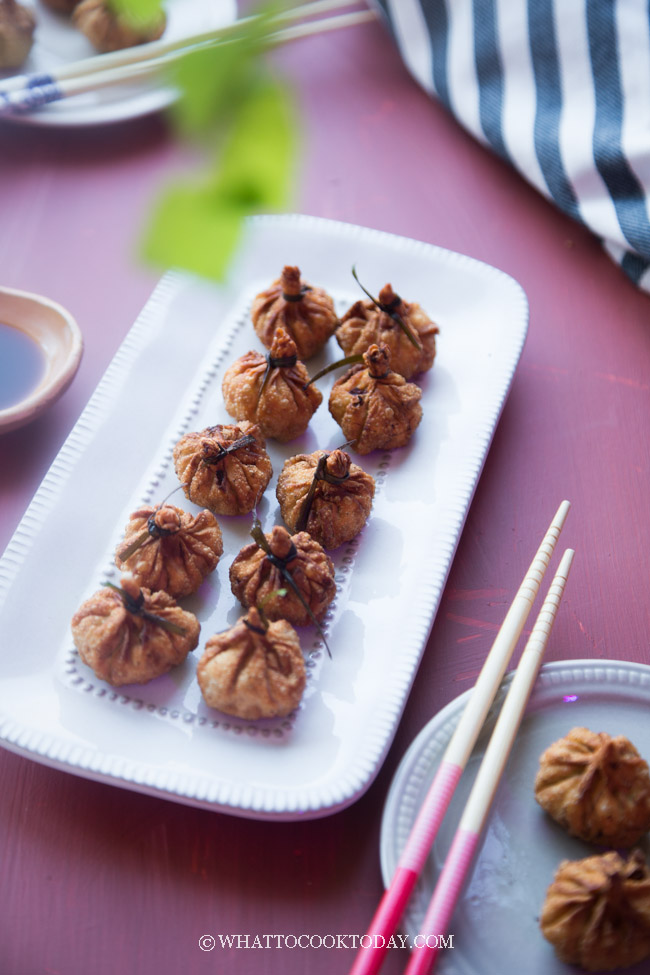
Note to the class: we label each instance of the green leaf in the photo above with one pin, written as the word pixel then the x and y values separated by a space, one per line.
pixel 193 230
pixel 138 13
pixel 246 119
pixel 197 225
pixel 214 82
pixel 255 167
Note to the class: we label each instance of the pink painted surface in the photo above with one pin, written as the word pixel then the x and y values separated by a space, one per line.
pixel 96 879
pixel 377 939
pixel 394 901
pixel 430 938
pixel 430 816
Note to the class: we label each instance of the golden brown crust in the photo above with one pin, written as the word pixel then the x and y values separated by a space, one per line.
pixel 597 787
pixel 375 407
pixel 364 325
pixel 179 550
pixel 124 647
pixel 106 31
pixel 254 577
pixel 17 25
pixel 337 511
pixel 270 394
pixel 214 475
pixel 597 911
pixel 252 672
pixel 310 320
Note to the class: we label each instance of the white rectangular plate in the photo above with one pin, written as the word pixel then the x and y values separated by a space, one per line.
pixel 166 380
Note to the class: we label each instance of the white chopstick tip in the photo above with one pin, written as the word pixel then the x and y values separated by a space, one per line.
pixel 561 513
pixel 565 563
pixel 543 624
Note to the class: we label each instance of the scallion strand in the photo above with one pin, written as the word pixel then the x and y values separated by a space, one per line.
pixel 390 312
pixel 280 564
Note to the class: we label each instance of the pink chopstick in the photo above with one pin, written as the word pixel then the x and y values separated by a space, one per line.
pixel 459 858
pixel 369 957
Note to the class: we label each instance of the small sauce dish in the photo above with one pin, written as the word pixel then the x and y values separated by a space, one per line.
pixel 40 351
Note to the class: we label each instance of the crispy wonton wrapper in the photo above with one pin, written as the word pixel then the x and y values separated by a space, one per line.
pixel 326 495
pixel 305 312
pixel 177 550
pixel 108 31
pixel 133 637
pixel 272 390
pixel 375 407
pixel 597 911
pixel 256 577
pixel 596 787
pixel 224 468
pixel 364 324
pixel 253 670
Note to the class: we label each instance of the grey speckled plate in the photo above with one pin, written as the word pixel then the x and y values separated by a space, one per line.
pixel 495 927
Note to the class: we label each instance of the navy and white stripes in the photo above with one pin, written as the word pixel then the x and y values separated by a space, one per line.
pixel 558 88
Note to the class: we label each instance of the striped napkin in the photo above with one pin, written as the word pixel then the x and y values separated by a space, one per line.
pixel 558 88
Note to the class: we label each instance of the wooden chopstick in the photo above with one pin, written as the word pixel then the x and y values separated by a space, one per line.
pixel 471 824
pixel 22 93
pixel 369 958
pixel 156 49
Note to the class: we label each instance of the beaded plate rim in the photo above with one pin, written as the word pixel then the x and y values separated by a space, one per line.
pixel 243 798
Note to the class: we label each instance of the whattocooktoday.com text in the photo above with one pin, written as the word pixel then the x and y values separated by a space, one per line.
pixel 210 942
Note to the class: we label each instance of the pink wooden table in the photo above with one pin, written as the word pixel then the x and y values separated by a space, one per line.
pixel 97 879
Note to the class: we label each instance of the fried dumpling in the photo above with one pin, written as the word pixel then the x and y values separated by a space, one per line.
pixel 400 325
pixel 305 312
pixel 272 390
pixel 597 787
pixel 375 407
pixel 257 575
pixel 255 669
pixel 167 548
pixel 108 30
pixel 225 468
pixel 597 911
pixel 326 495
pixel 130 635
pixel 17 26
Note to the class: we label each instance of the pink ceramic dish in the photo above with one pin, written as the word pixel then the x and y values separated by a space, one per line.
pixel 58 340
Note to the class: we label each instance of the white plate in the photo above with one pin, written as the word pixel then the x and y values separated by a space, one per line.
pixel 58 42
pixel 495 928
pixel 166 380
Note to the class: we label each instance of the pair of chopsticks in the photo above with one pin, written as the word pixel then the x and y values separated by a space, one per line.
pixel 412 860
pixel 24 93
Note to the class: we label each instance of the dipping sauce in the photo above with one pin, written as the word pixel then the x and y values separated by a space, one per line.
pixel 22 364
